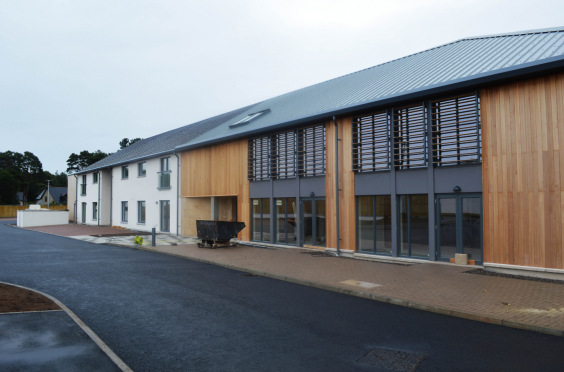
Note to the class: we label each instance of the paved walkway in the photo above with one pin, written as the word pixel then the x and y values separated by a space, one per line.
pixel 441 288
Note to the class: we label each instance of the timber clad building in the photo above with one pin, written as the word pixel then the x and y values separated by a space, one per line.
pixel 455 149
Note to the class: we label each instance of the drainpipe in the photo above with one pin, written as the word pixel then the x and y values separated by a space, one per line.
pixel 177 190
pixel 111 192
pixel 99 206
pixel 76 199
pixel 337 184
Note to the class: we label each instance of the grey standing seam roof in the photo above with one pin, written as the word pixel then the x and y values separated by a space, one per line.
pixel 444 65
pixel 162 143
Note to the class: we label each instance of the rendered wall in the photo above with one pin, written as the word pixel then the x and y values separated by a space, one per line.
pixel 523 174
pixel 30 218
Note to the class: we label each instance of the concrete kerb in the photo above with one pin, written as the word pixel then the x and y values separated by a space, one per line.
pixel 370 296
pixel 101 344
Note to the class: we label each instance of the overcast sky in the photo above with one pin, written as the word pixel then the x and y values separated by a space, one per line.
pixel 81 75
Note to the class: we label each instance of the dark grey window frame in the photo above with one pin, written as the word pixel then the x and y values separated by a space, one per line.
pixel 84 212
pixel 142 172
pixel 124 217
pixel 371 153
pixel 314 232
pixel 283 155
pixel 141 217
pixel 258 158
pixel 357 197
pixel 95 177
pixel 95 211
pixel 275 214
pixel 162 219
pixel 164 164
pixel 83 185
pixel 311 150
pixel 261 220
pixel 398 228
pixel 125 172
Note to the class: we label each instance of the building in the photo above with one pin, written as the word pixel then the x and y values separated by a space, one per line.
pixel 55 194
pixel 455 149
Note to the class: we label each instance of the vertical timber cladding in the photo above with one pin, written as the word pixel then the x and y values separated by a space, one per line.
pixel 523 174
pixel 218 170
pixel 346 185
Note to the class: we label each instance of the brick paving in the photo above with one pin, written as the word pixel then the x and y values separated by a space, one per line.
pixel 439 286
pixel 76 230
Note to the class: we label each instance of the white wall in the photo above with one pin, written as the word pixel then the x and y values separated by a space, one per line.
pixel 137 188
pixel 92 192
pixel 42 217
pixel 71 196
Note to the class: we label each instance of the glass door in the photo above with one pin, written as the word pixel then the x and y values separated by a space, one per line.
pixel 83 212
pixel 314 222
pixel 165 215
pixel 459 226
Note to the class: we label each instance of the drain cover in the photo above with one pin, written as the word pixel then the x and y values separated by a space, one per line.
pixel 392 359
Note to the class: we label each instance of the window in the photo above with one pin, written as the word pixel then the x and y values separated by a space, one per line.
pixel 124 211
pixel 374 224
pixel 83 212
pixel 314 216
pixel 410 139
pixel 413 225
pixel 142 169
pixel 311 151
pixel 125 172
pixel 165 215
pixel 248 118
pixel 141 212
pixel 371 142
pixel 164 174
pixel 456 130
pixel 283 155
pixel 83 185
pixel 258 158
pixel 94 211
pixel 95 177
pixel 286 213
pixel 260 224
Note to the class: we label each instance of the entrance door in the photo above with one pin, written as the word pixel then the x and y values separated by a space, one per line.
pixel 83 212
pixel 165 215
pixel 314 222
pixel 459 226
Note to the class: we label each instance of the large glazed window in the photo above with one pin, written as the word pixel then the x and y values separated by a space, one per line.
pixel 410 143
pixel 413 226
pixel 283 155
pixel 286 223
pixel 456 130
pixel 311 151
pixel 374 224
pixel 371 144
pixel 258 158
pixel 260 225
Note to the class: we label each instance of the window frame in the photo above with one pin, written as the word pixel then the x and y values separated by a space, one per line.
pixel 286 223
pixel 358 227
pixel 95 211
pixel 258 158
pixel 141 211
pixel 307 155
pixel 124 212
pixel 366 146
pixel 125 172
pixel 409 230
pixel 95 177
pixel 83 185
pixel 261 204
pixel 142 169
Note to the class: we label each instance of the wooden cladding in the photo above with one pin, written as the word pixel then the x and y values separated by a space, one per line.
pixel 283 155
pixel 311 151
pixel 523 174
pixel 371 142
pixel 410 137
pixel 258 158
pixel 455 127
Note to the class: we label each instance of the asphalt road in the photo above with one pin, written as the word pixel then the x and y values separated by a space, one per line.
pixel 162 313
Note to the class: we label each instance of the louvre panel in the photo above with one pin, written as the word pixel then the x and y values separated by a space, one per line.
pixel 311 151
pixel 258 158
pixel 410 144
pixel 283 156
pixel 371 144
pixel 456 130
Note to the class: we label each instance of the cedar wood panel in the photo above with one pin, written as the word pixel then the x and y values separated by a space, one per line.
pixel 522 134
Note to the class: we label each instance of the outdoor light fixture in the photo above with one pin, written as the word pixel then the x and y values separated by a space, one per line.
pixel 457 188
pixel 312 194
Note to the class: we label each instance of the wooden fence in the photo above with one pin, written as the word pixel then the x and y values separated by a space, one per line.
pixel 7 211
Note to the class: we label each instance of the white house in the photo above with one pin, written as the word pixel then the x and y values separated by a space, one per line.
pixel 138 187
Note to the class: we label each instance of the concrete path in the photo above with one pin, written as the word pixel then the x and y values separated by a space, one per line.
pixel 162 313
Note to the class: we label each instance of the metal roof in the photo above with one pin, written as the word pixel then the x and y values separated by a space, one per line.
pixel 461 63
pixel 163 143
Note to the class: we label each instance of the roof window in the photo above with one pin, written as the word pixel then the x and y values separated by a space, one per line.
pixel 248 118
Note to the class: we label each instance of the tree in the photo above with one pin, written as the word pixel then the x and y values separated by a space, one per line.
pixel 78 162
pixel 57 179
pixel 128 142
pixel 8 188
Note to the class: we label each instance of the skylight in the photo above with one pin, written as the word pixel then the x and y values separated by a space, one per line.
pixel 248 118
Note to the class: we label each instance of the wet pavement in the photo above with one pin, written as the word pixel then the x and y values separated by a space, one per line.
pixel 48 341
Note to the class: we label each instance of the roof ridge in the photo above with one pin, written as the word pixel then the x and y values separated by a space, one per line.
pixel 517 33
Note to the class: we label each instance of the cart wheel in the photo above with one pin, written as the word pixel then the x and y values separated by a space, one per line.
pixel 214 245
pixel 200 245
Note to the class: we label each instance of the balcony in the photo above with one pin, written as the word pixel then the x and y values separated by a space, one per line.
pixel 164 180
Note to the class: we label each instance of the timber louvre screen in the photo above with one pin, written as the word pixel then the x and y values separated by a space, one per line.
pixel 283 159
pixel 456 130
pixel 311 151
pixel 410 137
pixel 258 158
pixel 371 142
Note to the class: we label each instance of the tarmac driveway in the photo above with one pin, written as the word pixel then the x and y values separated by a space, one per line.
pixel 164 313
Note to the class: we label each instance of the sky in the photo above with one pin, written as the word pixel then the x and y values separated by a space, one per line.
pixel 83 74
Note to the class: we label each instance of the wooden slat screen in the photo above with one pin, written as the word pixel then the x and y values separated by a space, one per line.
pixel 258 158
pixel 456 130
pixel 311 150
pixel 283 155
pixel 410 144
pixel 371 142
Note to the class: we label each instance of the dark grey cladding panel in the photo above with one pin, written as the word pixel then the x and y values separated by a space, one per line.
pixel 411 181
pixel 260 189
pixel 312 184
pixel 374 183
pixel 469 178
pixel 285 188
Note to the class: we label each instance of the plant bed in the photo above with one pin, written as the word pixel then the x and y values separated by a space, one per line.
pixel 15 300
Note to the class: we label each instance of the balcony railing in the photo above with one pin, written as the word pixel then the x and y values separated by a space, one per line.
pixel 164 180
pixel 82 189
